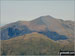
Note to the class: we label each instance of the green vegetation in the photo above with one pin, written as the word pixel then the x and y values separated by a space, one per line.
pixel 31 44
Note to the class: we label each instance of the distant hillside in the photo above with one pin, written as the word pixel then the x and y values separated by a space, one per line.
pixel 53 28
pixel 32 44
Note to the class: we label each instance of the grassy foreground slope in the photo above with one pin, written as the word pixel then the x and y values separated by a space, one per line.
pixel 30 44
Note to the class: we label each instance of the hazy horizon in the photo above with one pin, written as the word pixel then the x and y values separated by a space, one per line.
pixel 12 11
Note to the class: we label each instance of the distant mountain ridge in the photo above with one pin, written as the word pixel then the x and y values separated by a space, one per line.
pixel 59 29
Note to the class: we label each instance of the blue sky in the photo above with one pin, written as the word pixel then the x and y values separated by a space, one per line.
pixel 12 11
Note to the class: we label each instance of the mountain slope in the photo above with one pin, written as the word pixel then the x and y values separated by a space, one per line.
pixel 57 25
pixel 31 44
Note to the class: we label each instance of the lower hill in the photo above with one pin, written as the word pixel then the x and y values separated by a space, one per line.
pixel 31 44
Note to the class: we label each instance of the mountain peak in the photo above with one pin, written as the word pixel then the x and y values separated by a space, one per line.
pixel 42 20
pixel 47 16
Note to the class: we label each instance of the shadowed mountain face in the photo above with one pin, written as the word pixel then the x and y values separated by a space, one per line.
pixel 55 29
pixel 53 35
pixel 13 31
